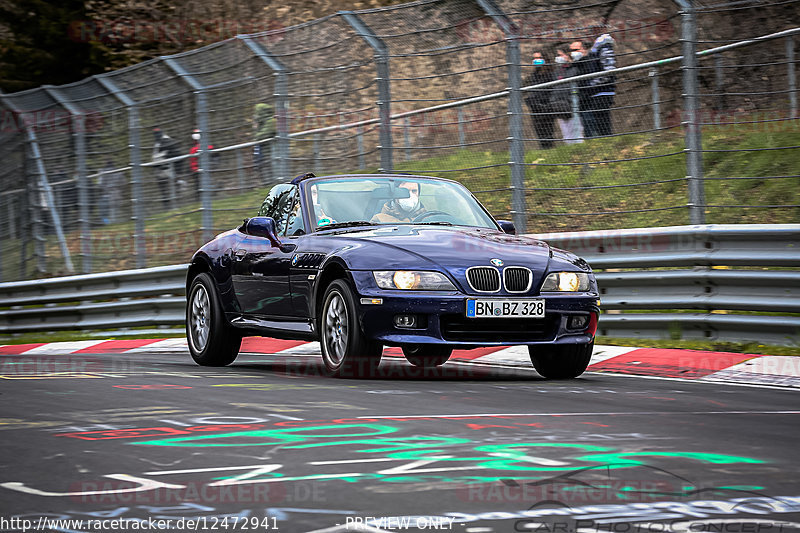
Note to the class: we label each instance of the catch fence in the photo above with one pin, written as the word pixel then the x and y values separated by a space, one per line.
pixel 703 125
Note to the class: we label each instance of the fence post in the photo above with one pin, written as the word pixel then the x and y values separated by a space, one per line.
pixel 516 136
pixel 407 138
pixel 279 147
pixel 206 213
pixel 360 146
pixel 134 145
pixel 384 96
pixel 46 200
pixel 461 136
pixel 719 82
pixel 79 133
pixel 694 144
pixel 43 198
pixel 792 75
pixel 656 99
pixel 317 161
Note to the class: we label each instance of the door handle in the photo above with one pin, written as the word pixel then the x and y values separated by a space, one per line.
pixel 239 254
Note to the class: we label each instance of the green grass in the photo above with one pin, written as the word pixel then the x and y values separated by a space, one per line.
pixel 172 236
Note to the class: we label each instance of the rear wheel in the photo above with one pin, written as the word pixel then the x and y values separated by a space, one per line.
pixel 346 351
pixel 561 361
pixel 427 355
pixel 212 341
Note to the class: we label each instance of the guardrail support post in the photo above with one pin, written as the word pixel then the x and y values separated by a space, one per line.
pixel 134 144
pixel 694 144
pixel 516 136
pixel 79 134
pixel 656 99
pixel 384 96
pixel 279 150
pixel 791 75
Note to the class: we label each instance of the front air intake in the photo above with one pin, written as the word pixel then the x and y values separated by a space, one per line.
pixel 517 279
pixel 483 279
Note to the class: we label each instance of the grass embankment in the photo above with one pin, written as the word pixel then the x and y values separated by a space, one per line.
pixel 628 181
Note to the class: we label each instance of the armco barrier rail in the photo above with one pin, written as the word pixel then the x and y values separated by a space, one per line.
pixel 717 282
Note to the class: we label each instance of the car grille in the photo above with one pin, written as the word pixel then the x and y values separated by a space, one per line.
pixel 478 330
pixel 517 279
pixel 483 279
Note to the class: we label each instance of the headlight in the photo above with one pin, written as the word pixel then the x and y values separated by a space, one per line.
pixel 412 280
pixel 566 282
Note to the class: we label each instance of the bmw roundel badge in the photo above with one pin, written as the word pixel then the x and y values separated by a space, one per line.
pixel 497 262
pixel 294 260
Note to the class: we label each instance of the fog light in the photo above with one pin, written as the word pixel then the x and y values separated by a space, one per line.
pixel 405 321
pixel 578 322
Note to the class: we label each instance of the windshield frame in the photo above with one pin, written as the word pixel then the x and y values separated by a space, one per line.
pixel 305 196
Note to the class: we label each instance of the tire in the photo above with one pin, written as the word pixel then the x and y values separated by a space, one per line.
pixel 346 351
pixel 427 355
pixel 212 341
pixel 562 361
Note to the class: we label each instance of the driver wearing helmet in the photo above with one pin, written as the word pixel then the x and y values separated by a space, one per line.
pixel 402 209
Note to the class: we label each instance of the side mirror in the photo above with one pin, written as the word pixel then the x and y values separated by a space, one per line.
pixel 507 226
pixel 263 227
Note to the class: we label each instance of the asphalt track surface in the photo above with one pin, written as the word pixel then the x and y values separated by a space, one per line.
pixel 271 443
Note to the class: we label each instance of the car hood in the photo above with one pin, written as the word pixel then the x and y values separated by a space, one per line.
pixel 450 248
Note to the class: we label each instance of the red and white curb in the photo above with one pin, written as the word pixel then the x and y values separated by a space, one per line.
pixel 659 362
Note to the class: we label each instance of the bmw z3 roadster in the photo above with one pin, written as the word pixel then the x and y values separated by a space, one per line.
pixel 359 262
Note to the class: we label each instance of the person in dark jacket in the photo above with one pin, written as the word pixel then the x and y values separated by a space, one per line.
pixel 568 120
pixel 539 102
pixel 603 87
pixel 583 63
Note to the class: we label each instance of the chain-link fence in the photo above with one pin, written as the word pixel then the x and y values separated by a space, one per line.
pixel 696 122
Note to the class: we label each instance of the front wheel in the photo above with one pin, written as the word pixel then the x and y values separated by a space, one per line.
pixel 427 355
pixel 212 341
pixel 346 351
pixel 561 361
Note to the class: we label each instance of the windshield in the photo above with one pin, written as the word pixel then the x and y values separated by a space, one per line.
pixel 374 200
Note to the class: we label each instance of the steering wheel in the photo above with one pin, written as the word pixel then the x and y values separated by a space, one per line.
pixel 426 214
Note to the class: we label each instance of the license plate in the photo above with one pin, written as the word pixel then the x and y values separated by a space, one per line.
pixel 505 308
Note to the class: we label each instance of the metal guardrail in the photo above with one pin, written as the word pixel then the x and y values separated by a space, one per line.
pixel 650 282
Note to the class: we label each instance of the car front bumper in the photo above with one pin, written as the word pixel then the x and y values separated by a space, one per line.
pixel 441 318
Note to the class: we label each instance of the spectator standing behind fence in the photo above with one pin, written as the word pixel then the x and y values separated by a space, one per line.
pixel 539 102
pixel 603 87
pixel 582 64
pixel 166 147
pixel 568 122
pixel 194 165
pixel 109 187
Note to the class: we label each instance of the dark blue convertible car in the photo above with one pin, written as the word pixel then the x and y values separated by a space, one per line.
pixel 360 262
